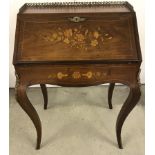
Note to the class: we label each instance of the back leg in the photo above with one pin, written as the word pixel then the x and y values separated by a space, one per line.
pixel 110 93
pixel 44 91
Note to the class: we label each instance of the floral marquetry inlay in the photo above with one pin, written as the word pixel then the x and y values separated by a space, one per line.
pixel 60 75
pixel 79 37
pixel 77 75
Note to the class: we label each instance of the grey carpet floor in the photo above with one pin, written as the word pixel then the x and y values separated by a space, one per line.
pixel 77 122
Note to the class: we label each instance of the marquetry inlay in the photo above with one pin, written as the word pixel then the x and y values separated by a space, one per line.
pixel 76 75
pixel 79 37
pixel 60 75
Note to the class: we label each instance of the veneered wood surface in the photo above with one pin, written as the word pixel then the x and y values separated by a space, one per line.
pixel 78 75
pixel 103 37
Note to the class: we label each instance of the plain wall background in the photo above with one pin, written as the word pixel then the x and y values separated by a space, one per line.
pixel 16 4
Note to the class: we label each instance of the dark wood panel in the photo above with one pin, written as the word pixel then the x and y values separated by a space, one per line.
pixel 64 40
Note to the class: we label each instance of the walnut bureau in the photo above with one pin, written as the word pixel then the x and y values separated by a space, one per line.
pixel 77 44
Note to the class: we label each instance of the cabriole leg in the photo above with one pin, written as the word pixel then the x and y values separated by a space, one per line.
pixel 26 105
pixel 110 93
pixel 45 95
pixel 129 104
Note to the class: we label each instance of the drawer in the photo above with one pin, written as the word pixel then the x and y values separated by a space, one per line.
pixel 79 74
pixel 76 75
pixel 77 37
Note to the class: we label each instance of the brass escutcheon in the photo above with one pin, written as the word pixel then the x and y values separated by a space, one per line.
pixel 77 19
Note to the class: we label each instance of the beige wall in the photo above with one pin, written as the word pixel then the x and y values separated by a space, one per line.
pixel 16 4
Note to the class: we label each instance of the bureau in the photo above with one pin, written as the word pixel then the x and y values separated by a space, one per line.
pixel 77 44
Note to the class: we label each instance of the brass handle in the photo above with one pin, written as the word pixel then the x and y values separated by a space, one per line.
pixel 77 19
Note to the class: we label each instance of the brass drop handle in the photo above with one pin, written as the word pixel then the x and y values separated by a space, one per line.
pixel 76 19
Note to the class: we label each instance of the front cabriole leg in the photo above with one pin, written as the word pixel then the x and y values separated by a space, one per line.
pixel 129 104
pixel 26 105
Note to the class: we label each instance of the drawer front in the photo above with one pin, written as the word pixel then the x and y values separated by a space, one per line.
pixel 77 75
pixel 77 37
